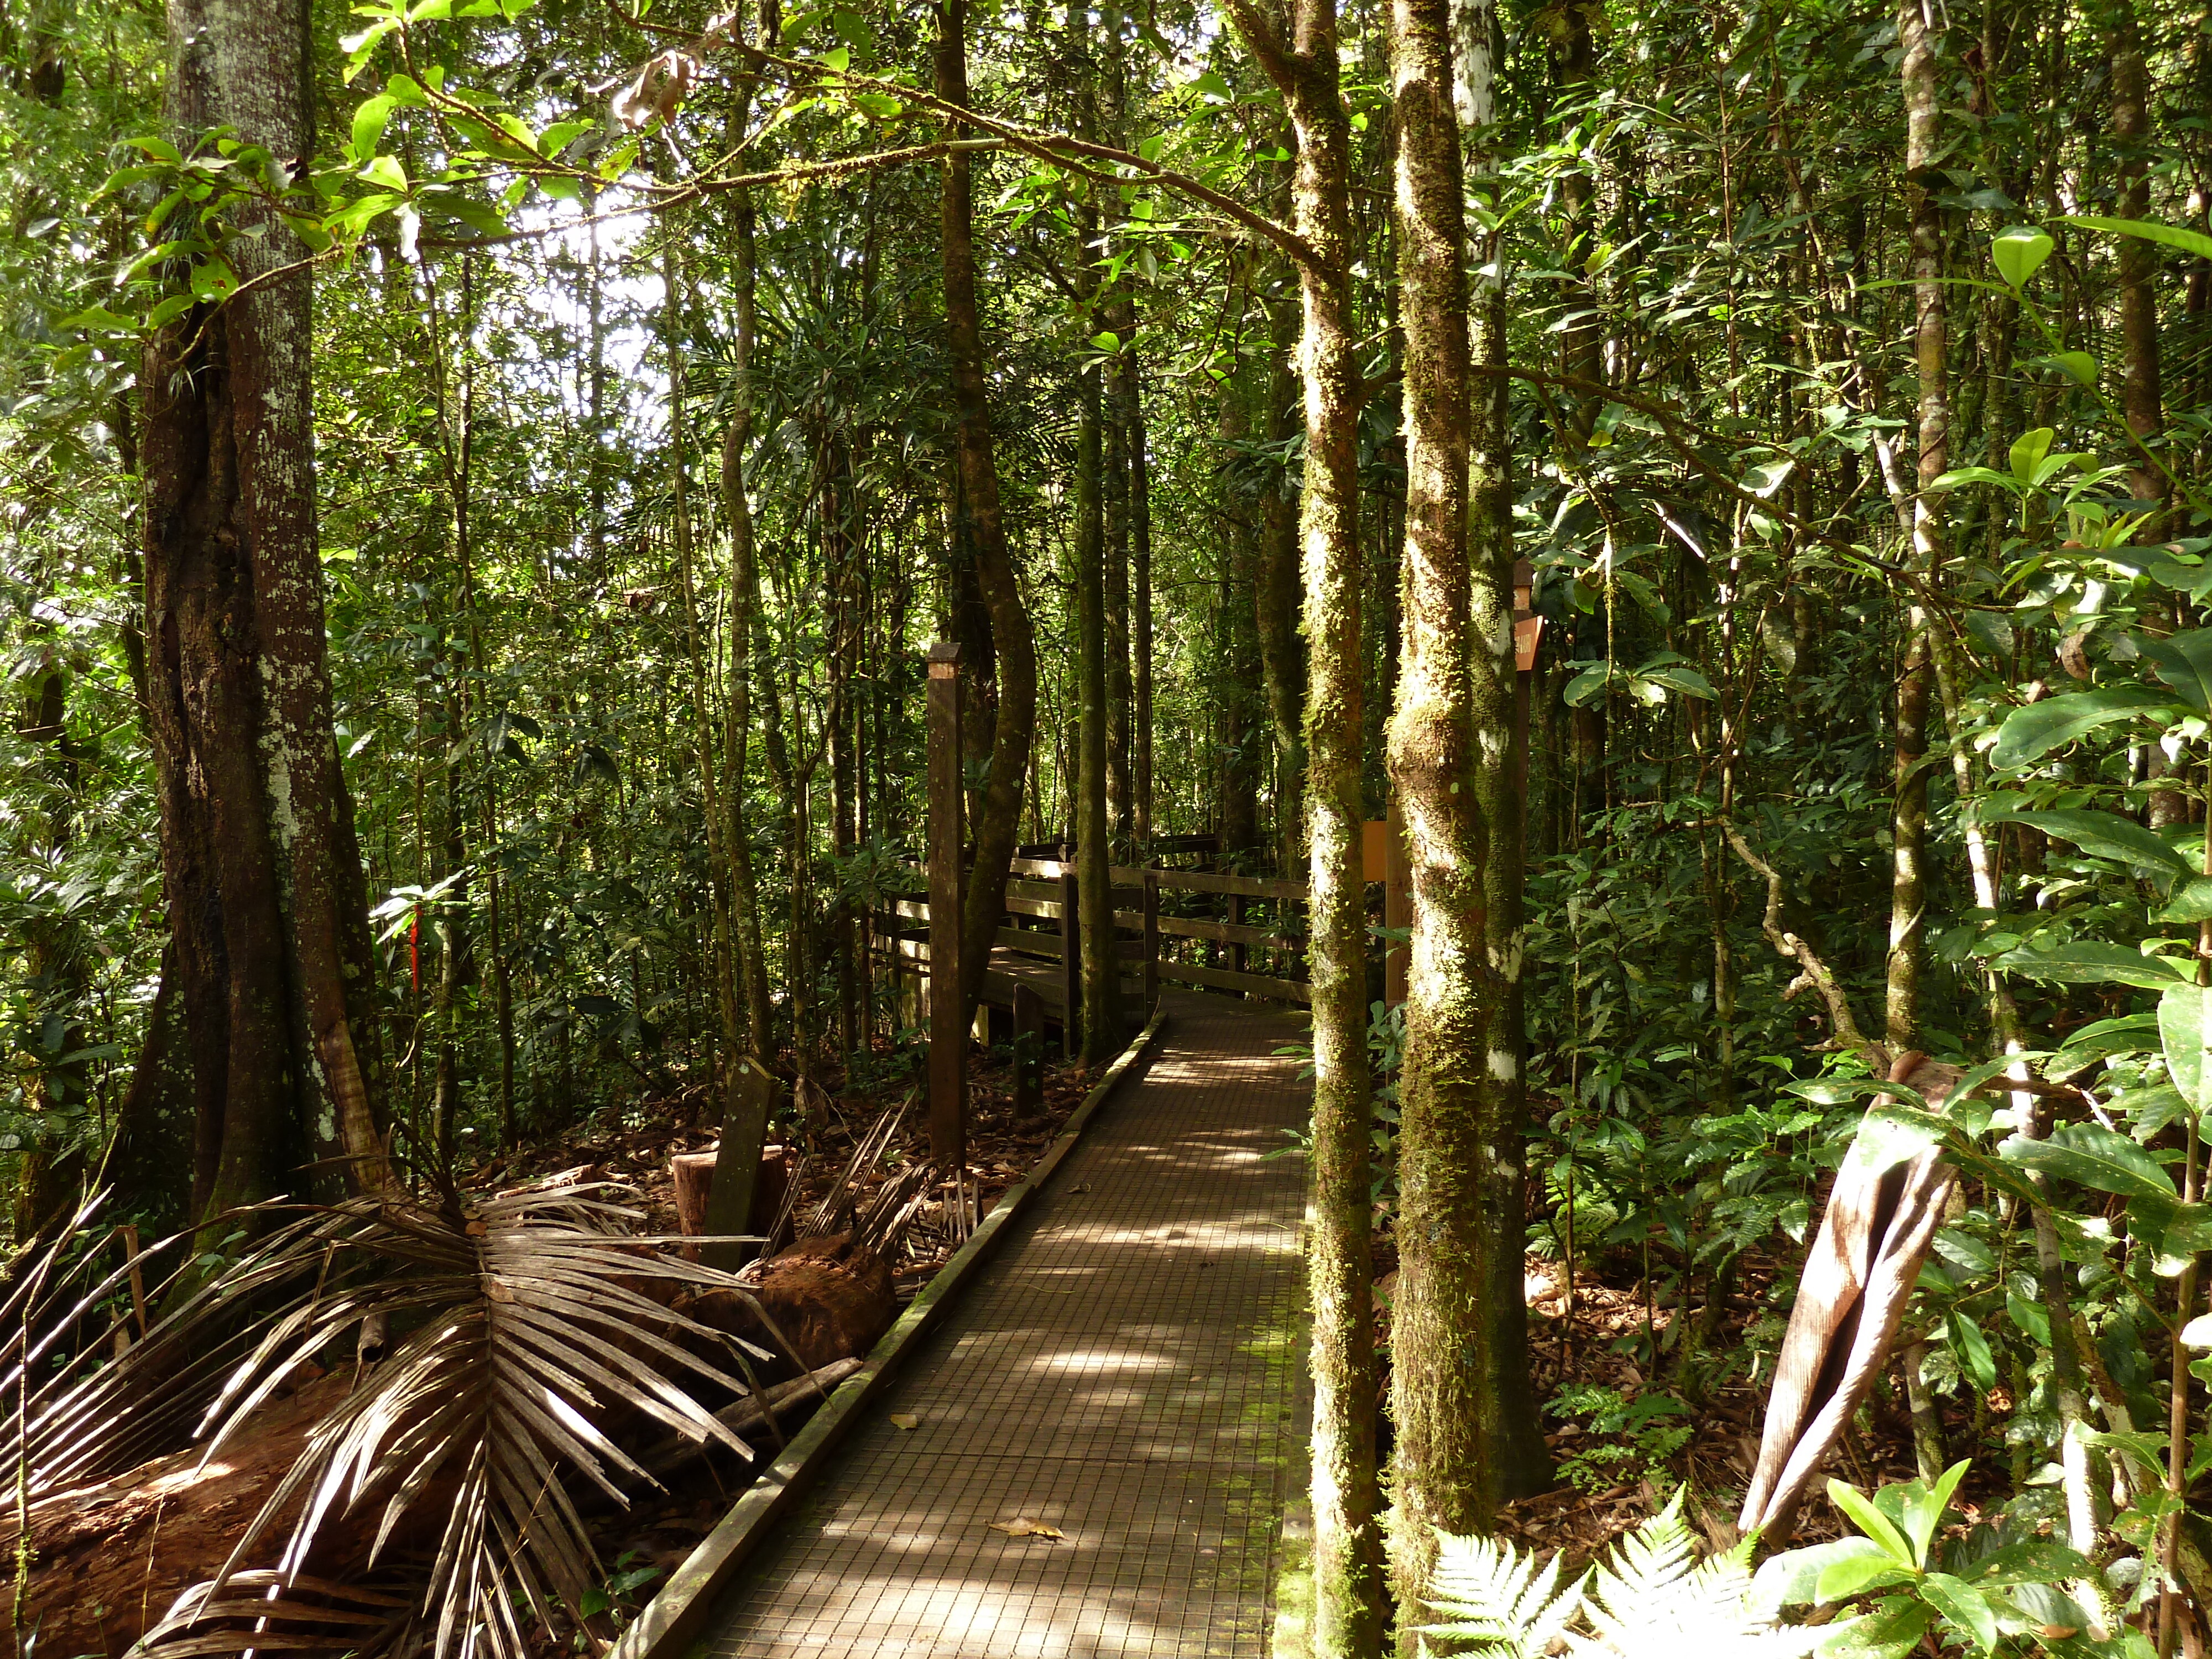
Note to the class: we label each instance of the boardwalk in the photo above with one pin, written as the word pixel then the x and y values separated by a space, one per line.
pixel 1126 1370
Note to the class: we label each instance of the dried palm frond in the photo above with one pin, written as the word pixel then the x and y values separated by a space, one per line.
pixel 834 1213
pixel 525 1346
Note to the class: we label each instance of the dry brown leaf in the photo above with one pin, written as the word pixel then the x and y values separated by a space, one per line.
pixel 1026 1528
pixel 905 1420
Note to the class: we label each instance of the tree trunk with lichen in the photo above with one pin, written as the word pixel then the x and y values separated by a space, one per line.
pixel 1299 50
pixel 267 899
pixel 1466 1430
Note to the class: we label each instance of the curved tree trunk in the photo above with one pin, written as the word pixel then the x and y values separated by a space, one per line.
pixel 265 890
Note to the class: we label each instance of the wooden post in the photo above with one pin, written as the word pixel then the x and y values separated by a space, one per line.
pixel 1071 962
pixel 1238 957
pixel 1029 1050
pixel 1151 968
pixel 948 1032
pixel 737 1165
pixel 1397 903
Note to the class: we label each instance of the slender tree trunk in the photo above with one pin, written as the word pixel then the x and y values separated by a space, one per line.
pixel 744 607
pixel 1140 615
pixel 998 829
pixel 267 900
pixel 1275 605
pixel 2139 395
pixel 1918 71
pixel 1458 1354
pixel 1301 60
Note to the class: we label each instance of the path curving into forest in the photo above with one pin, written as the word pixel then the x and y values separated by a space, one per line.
pixel 1127 1370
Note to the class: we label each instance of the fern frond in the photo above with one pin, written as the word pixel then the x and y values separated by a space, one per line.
pixel 1495 1597
pixel 1655 1600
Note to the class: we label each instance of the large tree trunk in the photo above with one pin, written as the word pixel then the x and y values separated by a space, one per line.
pixel 997 829
pixel 1300 56
pixel 265 891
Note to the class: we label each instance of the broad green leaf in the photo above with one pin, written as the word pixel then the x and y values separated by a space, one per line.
pixel 2029 1318
pixel 1924 1507
pixel 1863 1514
pixel 2018 251
pixel 2104 835
pixel 1588 685
pixel 1892 1631
pixel 2088 962
pixel 1972 1351
pixel 1966 475
pixel 2198 1332
pixel 386 171
pixel 1681 677
pixel 2030 447
pixel 1792 1578
pixel 369 121
pixel 2132 1033
pixel 2184 1031
pixel 1964 1606
pixel 2030 733
pixel 2190 903
pixel 403 90
pixel 2149 230
pixel 1855 1575
pixel 2184 661
pixel 2079 366
pixel 2090 1155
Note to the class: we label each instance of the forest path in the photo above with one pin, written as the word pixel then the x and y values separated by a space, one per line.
pixel 1127 1369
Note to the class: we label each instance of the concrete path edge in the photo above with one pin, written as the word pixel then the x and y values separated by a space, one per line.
pixel 673 1619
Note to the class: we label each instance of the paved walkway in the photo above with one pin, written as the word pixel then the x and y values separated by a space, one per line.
pixel 1125 1370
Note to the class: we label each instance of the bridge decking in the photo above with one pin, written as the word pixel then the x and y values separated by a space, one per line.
pixel 1126 1370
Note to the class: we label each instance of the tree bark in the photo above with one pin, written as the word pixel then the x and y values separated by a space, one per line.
pixel 1276 606
pixel 758 1036
pixel 997 829
pixel 267 900
pixel 1917 69
pixel 1298 49
pixel 2140 398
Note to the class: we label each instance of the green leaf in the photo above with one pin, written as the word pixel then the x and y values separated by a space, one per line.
pixel 1793 1577
pixel 876 105
pixel 368 123
pixel 1855 1575
pixel 2030 733
pixel 2030 1318
pixel 1681 677
pixel 2030 447
pixel 403 90
pixel 2018 251
pixel 2149 230
pixel 1964 1606
pixel 2184 661
pixel 1966 475
pixel 2078 366
pixel 2089 961
pixel 2190 903
pixel 212 280
pixel 837 59
pixel 386 171
pixel 2090 1155
pixel 2104 835
pixel 1924 1507
pixel 1872 1522
pixel 1892 1631
pixel 1972 1351
pixel 1589 685
pixel 2185 1032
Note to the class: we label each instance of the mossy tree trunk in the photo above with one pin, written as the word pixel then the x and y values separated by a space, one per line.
pixel 1298 48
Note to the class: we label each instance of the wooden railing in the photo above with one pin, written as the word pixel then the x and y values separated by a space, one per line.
pixel 1045 890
